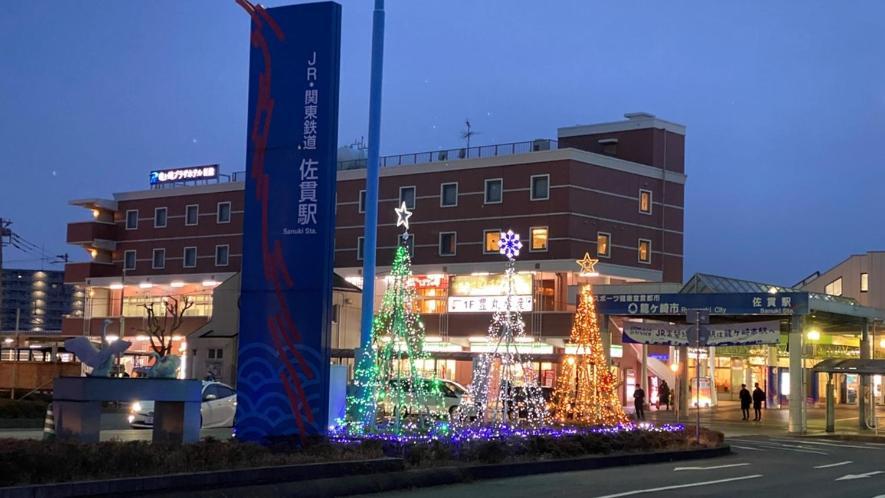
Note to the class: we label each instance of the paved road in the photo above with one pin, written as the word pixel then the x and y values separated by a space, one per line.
pixel 760 466
pixel 113 427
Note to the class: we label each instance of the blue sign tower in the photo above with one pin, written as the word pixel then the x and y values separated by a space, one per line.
pixel 289 221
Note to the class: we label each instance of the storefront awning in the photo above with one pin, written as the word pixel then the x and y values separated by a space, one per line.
pixel 851 366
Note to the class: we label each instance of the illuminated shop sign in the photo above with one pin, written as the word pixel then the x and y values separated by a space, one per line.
pixel 207 172
pixel 490 285
pixel 479 304
pixel 484 293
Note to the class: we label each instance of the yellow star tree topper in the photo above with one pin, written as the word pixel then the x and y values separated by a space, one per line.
pixel 586 389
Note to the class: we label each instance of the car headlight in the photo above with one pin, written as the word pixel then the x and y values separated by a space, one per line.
pixel 136 407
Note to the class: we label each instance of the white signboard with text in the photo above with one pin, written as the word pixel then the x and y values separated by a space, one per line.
pixel 480 304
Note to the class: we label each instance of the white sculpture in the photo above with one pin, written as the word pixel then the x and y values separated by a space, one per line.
pixel 101 359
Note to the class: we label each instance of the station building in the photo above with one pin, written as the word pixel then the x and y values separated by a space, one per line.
pixel 613 190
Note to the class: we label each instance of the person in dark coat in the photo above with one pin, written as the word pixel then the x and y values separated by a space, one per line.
pixel 639 402
pixel 664 395
pixel 746 399
pixel 758 399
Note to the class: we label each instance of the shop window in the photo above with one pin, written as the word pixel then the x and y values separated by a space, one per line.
pixel 160 217
pixel 644 251
pixel 864 282
pixel 222 255
pixel 191 214
pixel 132 219
pixel 159 259
pixel 834 288
pixel 447 243
pixel 603 244
pixel 448 194
pixel 490 241
pixel 539 239
pixel 407 195
pixel 645 201
pixel 540 187
pixel 494 191
pixel 129 260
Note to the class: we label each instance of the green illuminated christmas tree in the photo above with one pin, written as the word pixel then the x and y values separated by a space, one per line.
pixel 392 396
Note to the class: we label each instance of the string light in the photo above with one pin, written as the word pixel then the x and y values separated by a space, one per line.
pixel 504 391
pixel 395 399
pixel 586 388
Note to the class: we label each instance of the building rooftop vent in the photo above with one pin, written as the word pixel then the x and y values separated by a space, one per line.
pixel 638 115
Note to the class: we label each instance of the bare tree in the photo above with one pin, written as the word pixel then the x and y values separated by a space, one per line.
pixel 160 328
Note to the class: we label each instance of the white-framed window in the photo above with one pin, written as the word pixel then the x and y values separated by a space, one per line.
pixel 129 259
pixel 223 213
pixel 540 190
pixel 407 195
pixel 645 200
pixel 539 238
pixel 222 255
pixel 864 282
pixel 160 217
pixel 410 244
pixel 190 257
pixel 131 219
pixel 494 191
pixel 603 244
pixel 360 247
pixel 490 239
pixel 158 261
pixel 644 251
pixel 191 214
pixel 834 288
pixel 448 242
pixel 362 202
pixel 448 194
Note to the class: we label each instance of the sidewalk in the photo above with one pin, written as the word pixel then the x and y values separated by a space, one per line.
pixel 726 418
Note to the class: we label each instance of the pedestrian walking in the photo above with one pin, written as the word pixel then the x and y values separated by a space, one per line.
pixel 746 399
pixel 639 402
pixel 758 399
pixel 664 395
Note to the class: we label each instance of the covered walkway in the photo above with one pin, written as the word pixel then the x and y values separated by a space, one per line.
pixel 811 325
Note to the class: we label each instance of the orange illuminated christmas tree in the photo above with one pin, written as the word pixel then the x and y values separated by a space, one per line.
pixel 586 388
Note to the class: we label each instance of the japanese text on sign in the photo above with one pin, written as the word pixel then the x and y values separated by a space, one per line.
pixel 307 198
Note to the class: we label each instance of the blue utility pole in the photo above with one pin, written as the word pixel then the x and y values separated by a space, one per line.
pixel 370 242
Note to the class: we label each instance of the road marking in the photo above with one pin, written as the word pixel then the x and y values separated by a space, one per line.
pixel 781 446
pixel 846 462
pixel 680 486
pixel 848 477
pixel 821 443
pixel 746 448
pixel 677 469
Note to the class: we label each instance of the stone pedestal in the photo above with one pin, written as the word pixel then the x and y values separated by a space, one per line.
pixel 77 406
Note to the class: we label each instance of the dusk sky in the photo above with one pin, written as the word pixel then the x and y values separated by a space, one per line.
pixel 784 104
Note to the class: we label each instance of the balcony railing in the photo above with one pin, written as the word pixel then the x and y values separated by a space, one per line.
pixel 436 156
pixel 449 155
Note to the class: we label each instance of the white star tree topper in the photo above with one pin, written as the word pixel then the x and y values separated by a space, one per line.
pixel 402 216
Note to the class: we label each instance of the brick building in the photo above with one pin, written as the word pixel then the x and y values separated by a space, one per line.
pixel 615 190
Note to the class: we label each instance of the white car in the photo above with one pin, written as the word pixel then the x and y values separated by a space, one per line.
pixel 451 394
pixel 217 409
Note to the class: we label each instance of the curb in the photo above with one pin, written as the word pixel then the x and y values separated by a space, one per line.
pixel 420 478
pixel 219 480
pixel 338 478
pixel 860 438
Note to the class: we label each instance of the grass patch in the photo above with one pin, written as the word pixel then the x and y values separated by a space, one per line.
pixel 38 462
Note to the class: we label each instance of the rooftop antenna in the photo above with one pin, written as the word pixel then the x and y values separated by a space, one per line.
pixel 468 132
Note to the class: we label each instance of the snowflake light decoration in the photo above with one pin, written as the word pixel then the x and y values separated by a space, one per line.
pixel 509 244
